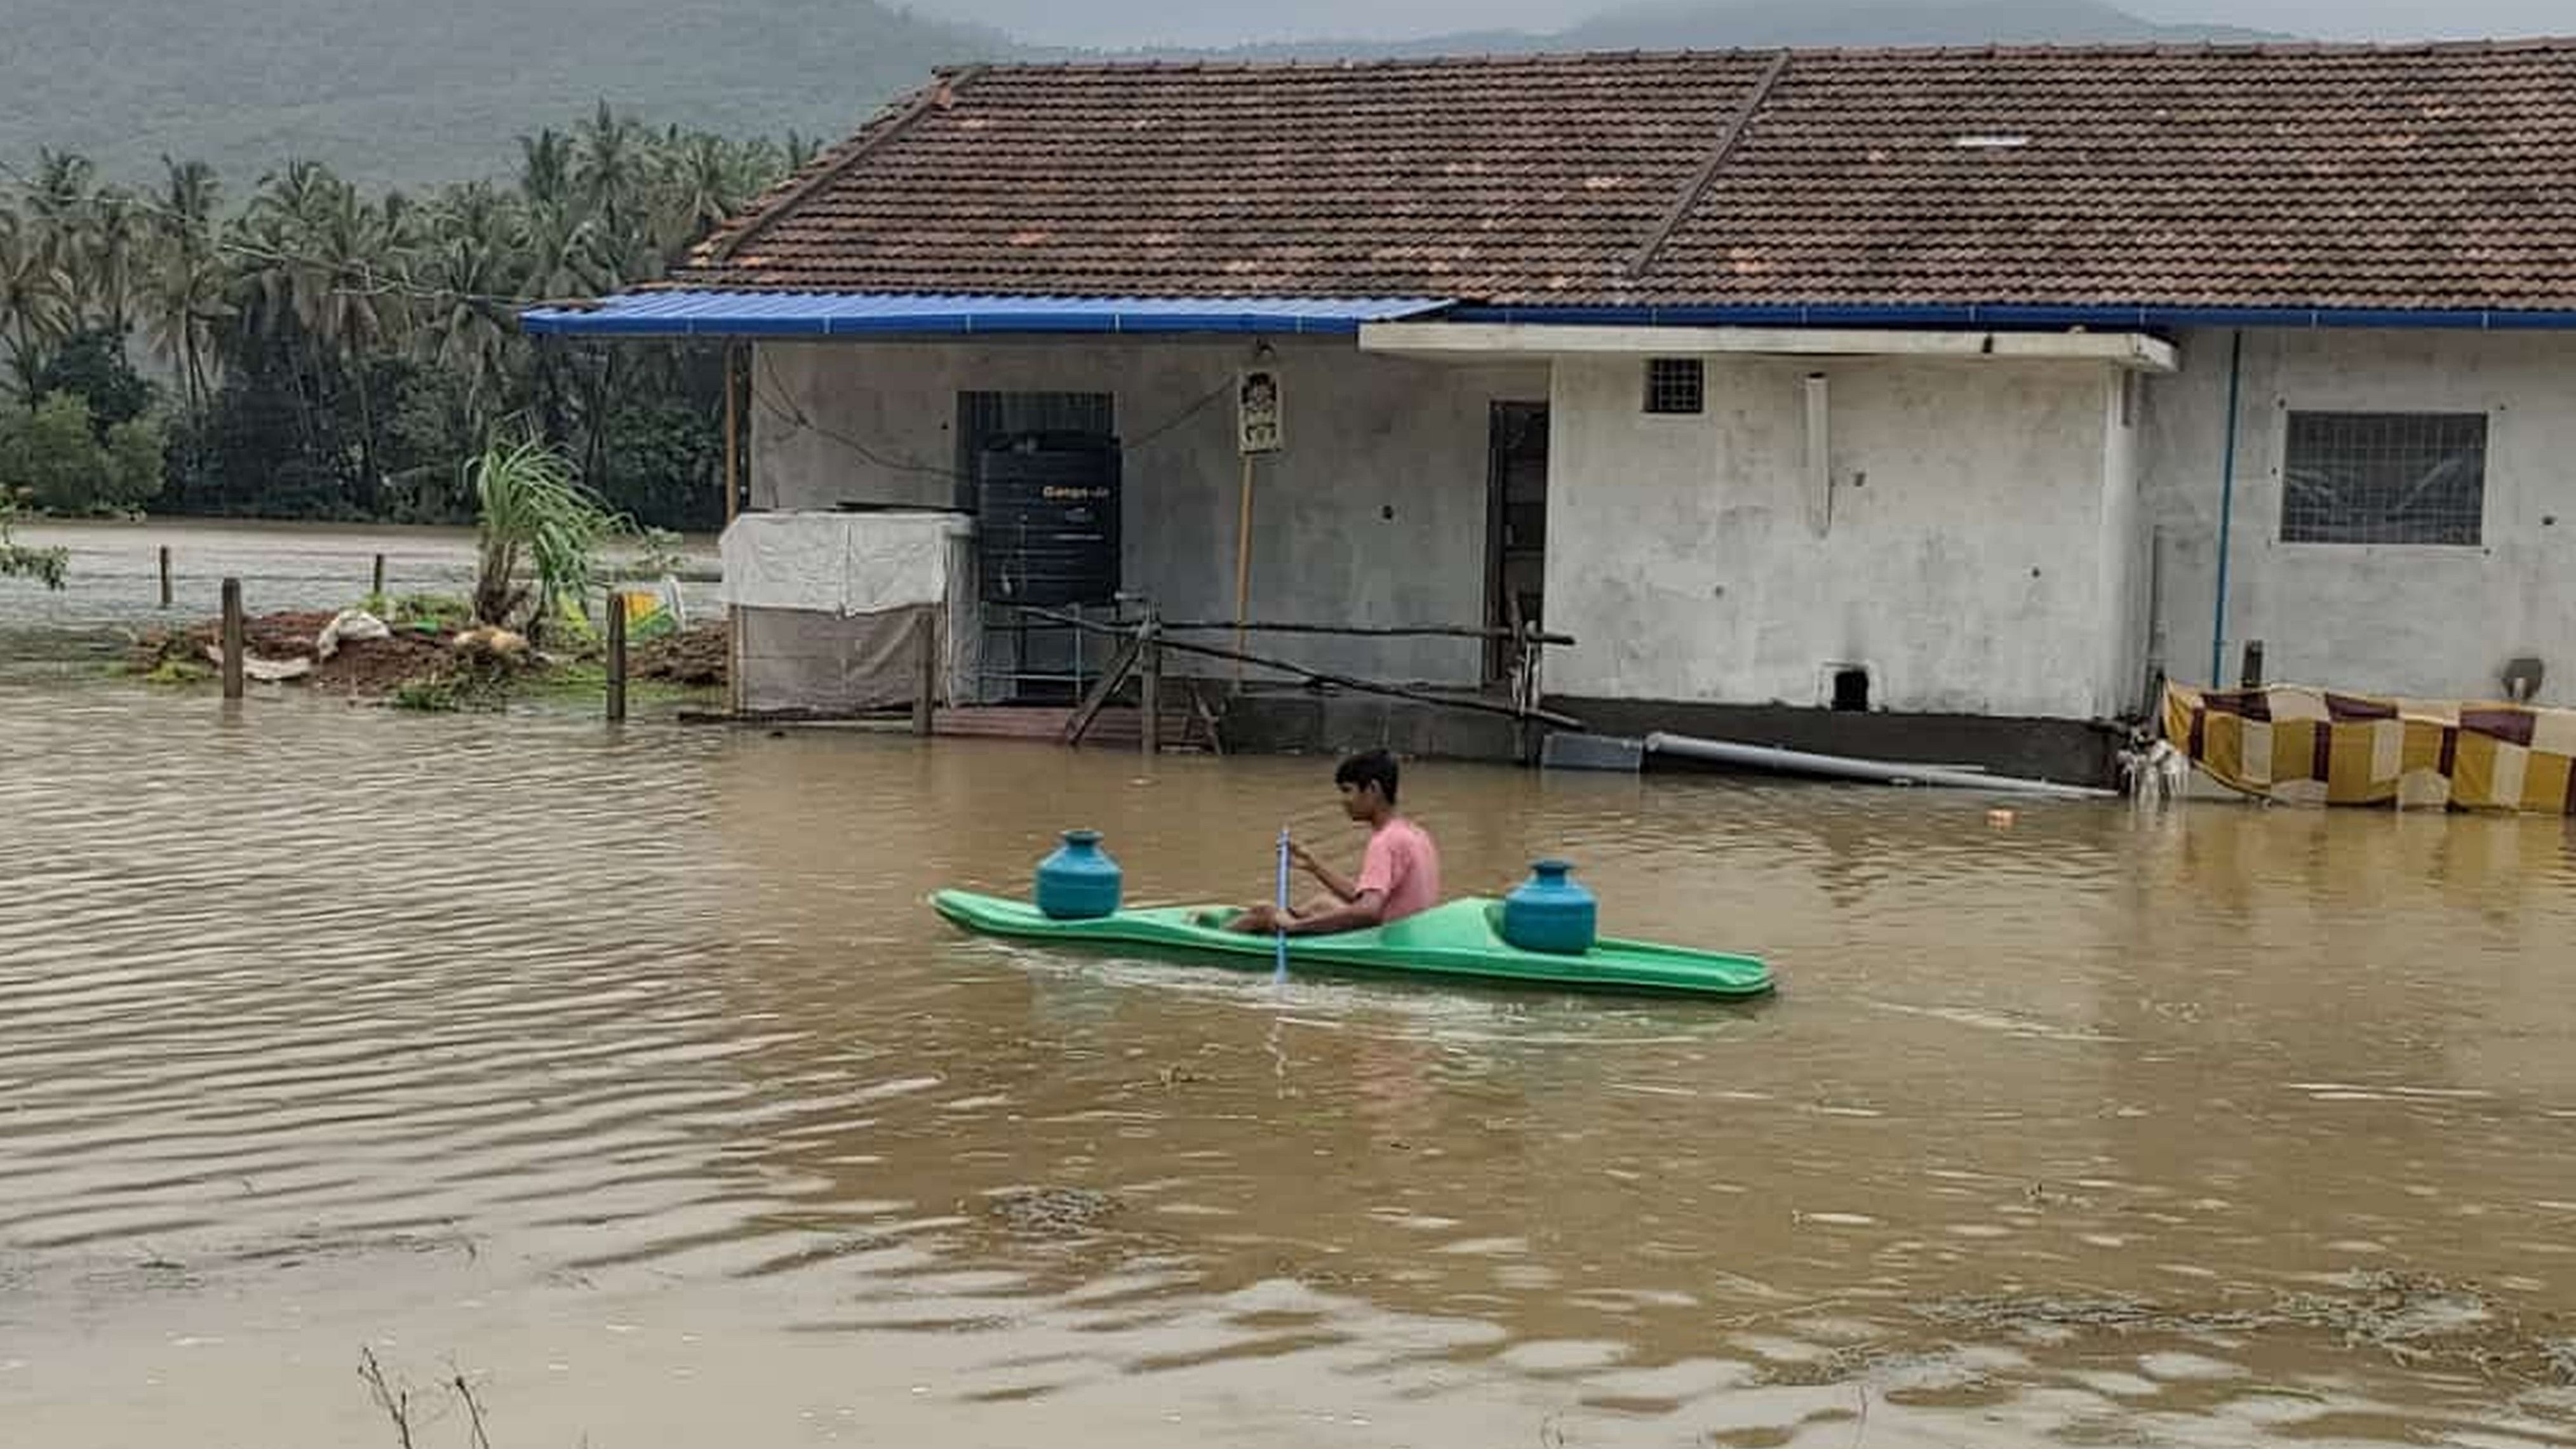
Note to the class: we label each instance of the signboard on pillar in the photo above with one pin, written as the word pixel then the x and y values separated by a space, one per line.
pixel 1259 419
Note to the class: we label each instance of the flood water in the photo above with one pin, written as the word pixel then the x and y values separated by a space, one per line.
pixel 628 1078
pixel 115 571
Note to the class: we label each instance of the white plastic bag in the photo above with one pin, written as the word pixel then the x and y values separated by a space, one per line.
pixel 348 624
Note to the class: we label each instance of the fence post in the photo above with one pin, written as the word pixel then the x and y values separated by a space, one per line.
pixel 377 591
pixel 616 656
pixel 925 699
pixel 165 576
pixel 233 645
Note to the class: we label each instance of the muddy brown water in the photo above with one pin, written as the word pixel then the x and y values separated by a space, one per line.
pixel 115 571
pixel 627 1078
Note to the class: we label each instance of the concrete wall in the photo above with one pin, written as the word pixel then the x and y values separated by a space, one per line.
pixel 1968 562
pixel 1374 514
pixel 2427 621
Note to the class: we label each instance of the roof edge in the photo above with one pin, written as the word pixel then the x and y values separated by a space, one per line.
pixel 829 167
pixel 2513 45
pixel 2025 315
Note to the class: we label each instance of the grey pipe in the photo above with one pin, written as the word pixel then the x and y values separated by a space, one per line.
pixel 1843 767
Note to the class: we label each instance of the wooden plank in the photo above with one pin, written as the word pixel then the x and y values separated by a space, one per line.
pixel 1745 111
pixel 1207 722
pixel 1125 664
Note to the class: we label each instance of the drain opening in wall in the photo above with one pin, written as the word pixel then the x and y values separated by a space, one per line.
pixel 1851 687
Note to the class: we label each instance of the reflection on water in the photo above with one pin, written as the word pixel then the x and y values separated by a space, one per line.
pixel 630 1074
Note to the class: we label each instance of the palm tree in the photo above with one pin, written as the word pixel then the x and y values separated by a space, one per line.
pixel 473 258
pixel 37 307
pixel 185 290
pixel 612 165
pixel 545 167
pixel 183 297
pixel 113 249
pixel 703 183
pixel 190 195
pixel 58 203
pixel 342 298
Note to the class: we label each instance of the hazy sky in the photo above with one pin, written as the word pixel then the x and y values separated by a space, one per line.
pixel 1217 22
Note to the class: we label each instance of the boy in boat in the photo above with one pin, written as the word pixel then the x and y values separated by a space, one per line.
pixel 1399 872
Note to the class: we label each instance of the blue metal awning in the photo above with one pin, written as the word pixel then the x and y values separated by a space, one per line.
pixel 865 314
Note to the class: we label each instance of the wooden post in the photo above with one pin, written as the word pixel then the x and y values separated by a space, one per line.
pixel 377 589
pixel 1242 567
pixel 616 656
pixel 1150 686
pixel 165 576
pixel 233 646
pixel 2251 676
pixel 737 690
pixel 925 699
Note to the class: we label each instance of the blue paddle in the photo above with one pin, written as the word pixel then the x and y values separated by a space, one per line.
pixel 1280 973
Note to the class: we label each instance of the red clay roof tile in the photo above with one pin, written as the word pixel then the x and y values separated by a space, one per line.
pixel 2438 176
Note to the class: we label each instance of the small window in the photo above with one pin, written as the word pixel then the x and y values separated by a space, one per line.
pixel 1674 385
pixel 2384 478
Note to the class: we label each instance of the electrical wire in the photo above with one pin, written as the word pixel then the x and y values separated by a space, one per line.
pixel 778 404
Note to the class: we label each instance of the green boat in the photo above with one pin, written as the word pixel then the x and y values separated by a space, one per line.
pixel 1460 940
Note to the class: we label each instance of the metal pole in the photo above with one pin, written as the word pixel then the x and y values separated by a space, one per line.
pixel 165 576
pixel 2226 512
pixel 616 656
pixel 233 646
pixel 733 445
pixel 377 591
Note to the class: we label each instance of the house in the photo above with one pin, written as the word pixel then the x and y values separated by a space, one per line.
pixel 1926 402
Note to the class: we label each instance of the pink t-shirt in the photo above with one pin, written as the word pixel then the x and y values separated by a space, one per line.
pixel 1402 862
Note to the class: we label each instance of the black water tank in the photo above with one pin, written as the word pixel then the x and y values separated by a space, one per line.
pixel 1046 525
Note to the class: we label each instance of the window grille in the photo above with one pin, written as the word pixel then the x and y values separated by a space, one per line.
pixel 2417 478
pixel 1675 385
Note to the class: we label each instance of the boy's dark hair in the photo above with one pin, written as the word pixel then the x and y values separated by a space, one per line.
pixel 1371 767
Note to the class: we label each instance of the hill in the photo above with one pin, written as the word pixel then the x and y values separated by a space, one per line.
pixel 403 92
pixel 400 91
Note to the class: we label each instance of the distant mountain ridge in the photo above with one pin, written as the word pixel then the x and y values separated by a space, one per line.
pixel 399 92
pixel 1685 25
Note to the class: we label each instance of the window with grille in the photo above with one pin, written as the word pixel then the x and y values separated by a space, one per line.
pixel 2384 478
pixel 1675 385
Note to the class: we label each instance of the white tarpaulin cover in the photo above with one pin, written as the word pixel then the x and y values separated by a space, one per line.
pixel 840 563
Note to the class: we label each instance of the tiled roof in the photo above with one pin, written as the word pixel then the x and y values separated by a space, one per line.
pixel 2418 177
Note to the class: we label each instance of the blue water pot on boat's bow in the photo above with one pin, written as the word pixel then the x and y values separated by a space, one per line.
pixel 1079 882
pixel 1549 912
